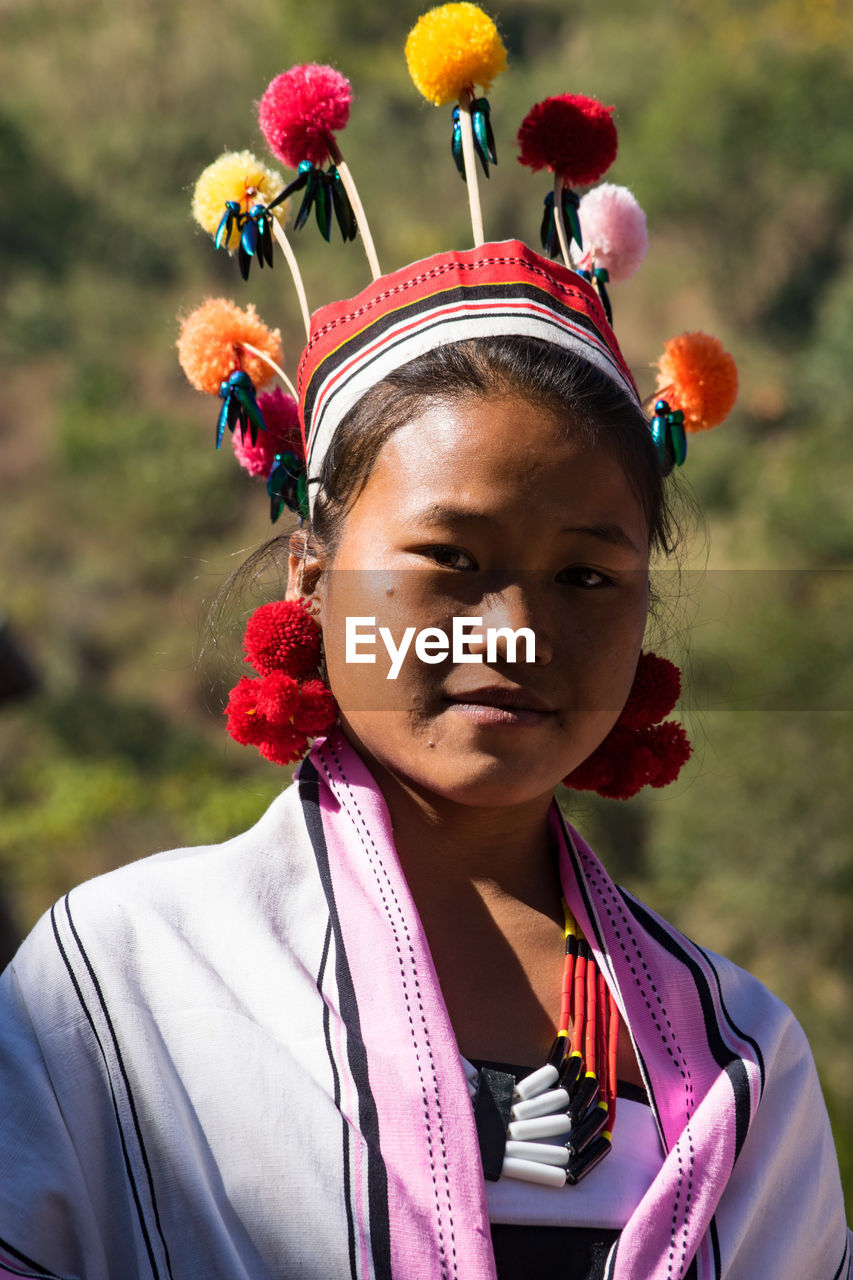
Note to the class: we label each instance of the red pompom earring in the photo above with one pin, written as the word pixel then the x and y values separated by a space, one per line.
pixel 639 751
pixel 287 703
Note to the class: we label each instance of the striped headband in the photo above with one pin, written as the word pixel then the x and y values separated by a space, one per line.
pixel 491 291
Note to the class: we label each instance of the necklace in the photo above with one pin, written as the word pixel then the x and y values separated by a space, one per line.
pixel 556 1124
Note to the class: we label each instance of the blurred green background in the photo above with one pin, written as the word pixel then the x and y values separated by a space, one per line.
pixel 120 521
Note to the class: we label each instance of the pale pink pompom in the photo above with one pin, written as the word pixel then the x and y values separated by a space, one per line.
pixel 281 436
pixel 301 111
pixel 614 231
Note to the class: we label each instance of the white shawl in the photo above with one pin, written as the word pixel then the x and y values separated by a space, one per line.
pixel 235 1063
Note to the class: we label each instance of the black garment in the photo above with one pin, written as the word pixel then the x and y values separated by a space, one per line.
pixel 572 1253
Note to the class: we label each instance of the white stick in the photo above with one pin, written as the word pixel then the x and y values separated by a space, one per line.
pixel 660 394
pixel 560 220
pixel 290 258
pixel 470 161
pixel 262 355
pixel 358 209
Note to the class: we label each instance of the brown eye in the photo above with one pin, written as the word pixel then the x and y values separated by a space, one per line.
pixel 449 557
pixel 581 576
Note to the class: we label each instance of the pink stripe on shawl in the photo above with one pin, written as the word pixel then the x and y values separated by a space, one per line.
pixel 693 1096
pixel 437 1205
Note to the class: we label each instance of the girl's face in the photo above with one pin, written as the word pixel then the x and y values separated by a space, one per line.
pixel 483 508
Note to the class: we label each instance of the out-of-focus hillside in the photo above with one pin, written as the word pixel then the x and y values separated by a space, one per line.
pixel 120 521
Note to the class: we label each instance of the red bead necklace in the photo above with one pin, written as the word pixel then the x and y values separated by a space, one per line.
pixel 558 1122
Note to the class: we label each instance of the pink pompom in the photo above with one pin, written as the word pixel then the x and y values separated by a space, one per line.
pixel 614 231
pixel 283 434
pixel 301 110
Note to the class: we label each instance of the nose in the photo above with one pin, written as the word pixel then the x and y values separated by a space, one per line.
pixel 513 610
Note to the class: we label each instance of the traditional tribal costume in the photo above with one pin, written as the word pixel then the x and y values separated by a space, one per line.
pixel 236 1061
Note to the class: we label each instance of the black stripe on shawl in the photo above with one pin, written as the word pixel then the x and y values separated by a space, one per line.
pixel 377 1177
pixel 336 1080
pixel 727 1059
pixel 715 1245
pixel 37 1268
pixel 730 1020
pixel 124 1147
pixel 842 1266
pixel 454 296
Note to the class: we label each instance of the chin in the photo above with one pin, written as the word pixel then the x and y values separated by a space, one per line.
pixel 490 768
pixel 478 792
pixel 475 779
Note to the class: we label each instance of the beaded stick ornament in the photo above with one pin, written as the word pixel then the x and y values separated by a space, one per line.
pixel 450 51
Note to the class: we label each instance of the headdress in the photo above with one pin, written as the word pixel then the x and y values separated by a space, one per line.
pixel 454 53
pixel 491 290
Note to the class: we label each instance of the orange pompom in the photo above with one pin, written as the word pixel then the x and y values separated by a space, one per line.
pixel 209 345
pixel 698 376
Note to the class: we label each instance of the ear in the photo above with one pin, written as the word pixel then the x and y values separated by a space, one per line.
pixel 303 570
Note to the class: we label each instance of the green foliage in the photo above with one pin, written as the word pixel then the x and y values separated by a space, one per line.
pixel 120 519
pixel 97 781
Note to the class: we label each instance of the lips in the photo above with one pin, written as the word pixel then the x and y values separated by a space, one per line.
pixel 504 696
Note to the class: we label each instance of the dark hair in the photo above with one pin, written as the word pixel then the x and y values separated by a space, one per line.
pixel 588 401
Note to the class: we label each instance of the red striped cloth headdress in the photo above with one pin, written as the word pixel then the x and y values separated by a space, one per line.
pixel 489 291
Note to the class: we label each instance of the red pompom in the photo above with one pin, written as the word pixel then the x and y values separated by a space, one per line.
pixel 301 110
pixel 283 434
pixel 283 746
pixel 277 699
pixel 570 134
pixel 272 711
pixel 630 759
pixel 655 691
pixel 244 723
pixel 671 748
pixel 260 713
pixel 282 636
pixel 317 709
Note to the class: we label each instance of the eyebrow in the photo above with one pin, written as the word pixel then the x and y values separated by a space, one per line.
pixel 611 533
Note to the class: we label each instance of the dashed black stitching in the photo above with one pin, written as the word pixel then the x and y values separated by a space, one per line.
pixel 433 274
pixel 346 795
pixel 644 983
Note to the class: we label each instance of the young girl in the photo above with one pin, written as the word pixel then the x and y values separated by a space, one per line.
pixel 407 1025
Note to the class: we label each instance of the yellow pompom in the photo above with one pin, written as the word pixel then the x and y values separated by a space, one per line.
pixel 452 48
pixel 239 176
